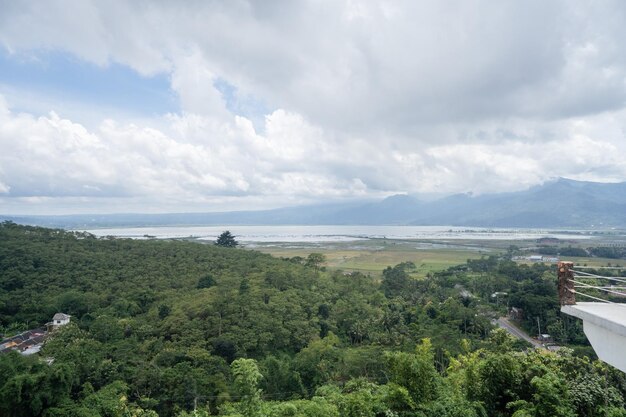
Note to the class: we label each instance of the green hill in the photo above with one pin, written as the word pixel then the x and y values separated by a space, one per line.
pixel 168 327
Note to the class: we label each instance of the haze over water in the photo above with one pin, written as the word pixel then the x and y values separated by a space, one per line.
pixel 260 234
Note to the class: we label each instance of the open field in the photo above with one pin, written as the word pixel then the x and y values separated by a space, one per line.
pixel 372 256
pixel 374 261
pixel 585 261
pixel 370 249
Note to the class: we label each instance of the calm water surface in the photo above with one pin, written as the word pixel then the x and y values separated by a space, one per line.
pixel 313 234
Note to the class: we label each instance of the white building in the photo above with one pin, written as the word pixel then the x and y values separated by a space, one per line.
pixel 61 319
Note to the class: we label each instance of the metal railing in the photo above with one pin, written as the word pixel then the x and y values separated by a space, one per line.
pixel 605 288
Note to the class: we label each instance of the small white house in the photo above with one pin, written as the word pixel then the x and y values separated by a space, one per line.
pixel 59 319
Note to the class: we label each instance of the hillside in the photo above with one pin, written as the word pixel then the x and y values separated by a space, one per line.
pixel 562 203
pixel 171 328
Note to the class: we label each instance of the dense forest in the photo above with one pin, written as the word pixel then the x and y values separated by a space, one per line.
pixel 176 328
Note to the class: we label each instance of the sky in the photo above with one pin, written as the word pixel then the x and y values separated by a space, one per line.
pixel 137 106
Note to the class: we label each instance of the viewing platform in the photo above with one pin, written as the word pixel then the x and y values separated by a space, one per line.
pixel 605 327
pixel 604 321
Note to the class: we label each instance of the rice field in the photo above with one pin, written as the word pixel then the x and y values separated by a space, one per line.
pixel 374 255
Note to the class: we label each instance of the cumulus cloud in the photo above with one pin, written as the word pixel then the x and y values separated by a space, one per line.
pixel 194 159
pixel 195 84
pixel 367 98
pixel 355 64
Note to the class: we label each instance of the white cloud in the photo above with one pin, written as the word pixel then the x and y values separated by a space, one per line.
pixel 389 66
pixel 194 82
pixel 195 158
pixel 369 98
pixel 197 163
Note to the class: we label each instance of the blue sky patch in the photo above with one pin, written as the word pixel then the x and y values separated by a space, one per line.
pixel 64 76
pixel 244 105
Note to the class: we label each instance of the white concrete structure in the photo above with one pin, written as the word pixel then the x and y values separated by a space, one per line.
pixel 605 327
pixel 60 319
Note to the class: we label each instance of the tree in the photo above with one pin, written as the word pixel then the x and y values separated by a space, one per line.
pixel 226 240
pixel 415 372
pixel 246 380
pixel 550 399
pixel 315 260
pixel 206 281
pixel 501 376
pixel 396 280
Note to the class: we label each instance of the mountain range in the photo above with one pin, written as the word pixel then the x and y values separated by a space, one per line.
pixel 559 203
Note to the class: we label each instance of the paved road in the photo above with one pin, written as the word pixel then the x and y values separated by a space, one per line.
pixel 517 332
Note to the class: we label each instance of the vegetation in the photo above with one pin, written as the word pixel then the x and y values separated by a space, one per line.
pixel 174 328
pixel 609 252
pixel 371 257
pixel 226 240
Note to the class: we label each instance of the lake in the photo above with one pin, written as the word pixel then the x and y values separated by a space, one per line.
pixel 314 234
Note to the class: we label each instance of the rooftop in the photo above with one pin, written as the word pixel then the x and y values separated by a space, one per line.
pixel 61 316
pixel 611 316
pixel 605 327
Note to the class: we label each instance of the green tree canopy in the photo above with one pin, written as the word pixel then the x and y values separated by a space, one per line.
pixel 227 240
pixel 144 340
pixel 206 281
pixel 315 260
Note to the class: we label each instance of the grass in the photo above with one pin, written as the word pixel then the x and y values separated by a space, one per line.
pixel 372 257
pixel 425 260
pixel 596 261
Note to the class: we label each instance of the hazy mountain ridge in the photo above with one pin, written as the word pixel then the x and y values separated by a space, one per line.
pixel 561 203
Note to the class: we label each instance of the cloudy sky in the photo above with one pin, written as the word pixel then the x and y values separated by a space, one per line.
pixel 137 106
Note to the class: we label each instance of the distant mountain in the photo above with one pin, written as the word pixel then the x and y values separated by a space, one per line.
pixel 561 203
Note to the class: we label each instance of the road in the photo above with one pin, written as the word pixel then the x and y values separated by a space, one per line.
pixel 517 332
